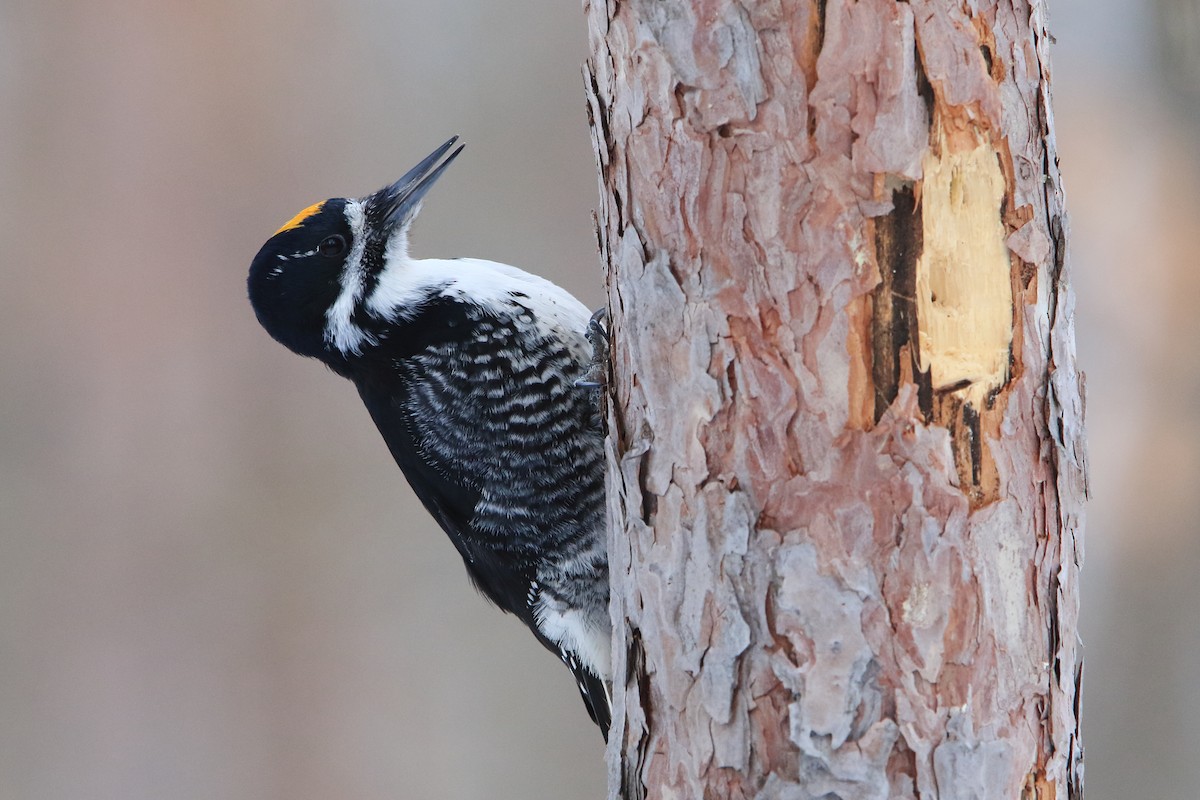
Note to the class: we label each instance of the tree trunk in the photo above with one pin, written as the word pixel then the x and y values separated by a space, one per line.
pixel 847 466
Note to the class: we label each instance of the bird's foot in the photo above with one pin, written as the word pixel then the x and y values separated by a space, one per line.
pixel 597 336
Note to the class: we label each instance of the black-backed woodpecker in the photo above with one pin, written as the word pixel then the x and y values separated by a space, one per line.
pixel 476 375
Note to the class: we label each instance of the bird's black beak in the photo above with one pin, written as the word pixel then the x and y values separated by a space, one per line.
pixel 393 207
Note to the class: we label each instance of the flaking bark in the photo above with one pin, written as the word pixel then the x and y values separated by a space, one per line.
pixel 846 466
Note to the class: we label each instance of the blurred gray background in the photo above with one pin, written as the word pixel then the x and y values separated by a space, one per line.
pixel 214 583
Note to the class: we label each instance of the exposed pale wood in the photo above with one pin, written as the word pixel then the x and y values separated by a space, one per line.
pixel 963 283
pixel 845 541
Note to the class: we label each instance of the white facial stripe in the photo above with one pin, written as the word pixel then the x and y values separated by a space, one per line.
pixel 405 282
pixel 340 330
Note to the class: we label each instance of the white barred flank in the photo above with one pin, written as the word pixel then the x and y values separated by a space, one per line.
pixel 578 631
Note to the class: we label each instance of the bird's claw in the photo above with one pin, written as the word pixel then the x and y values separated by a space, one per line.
pixel 597 336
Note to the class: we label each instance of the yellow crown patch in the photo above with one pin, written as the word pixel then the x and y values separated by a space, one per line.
pixel 298 220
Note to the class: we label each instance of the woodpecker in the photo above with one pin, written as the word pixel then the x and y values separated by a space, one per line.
pixel 477 376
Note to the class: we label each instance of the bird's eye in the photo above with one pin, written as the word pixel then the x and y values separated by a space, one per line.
pixel 332 246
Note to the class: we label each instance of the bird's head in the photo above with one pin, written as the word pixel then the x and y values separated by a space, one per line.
pixel 311 283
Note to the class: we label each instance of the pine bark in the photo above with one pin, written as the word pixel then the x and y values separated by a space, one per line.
pixel 847 465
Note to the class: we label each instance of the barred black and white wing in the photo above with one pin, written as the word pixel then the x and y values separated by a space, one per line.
pixel 480 408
